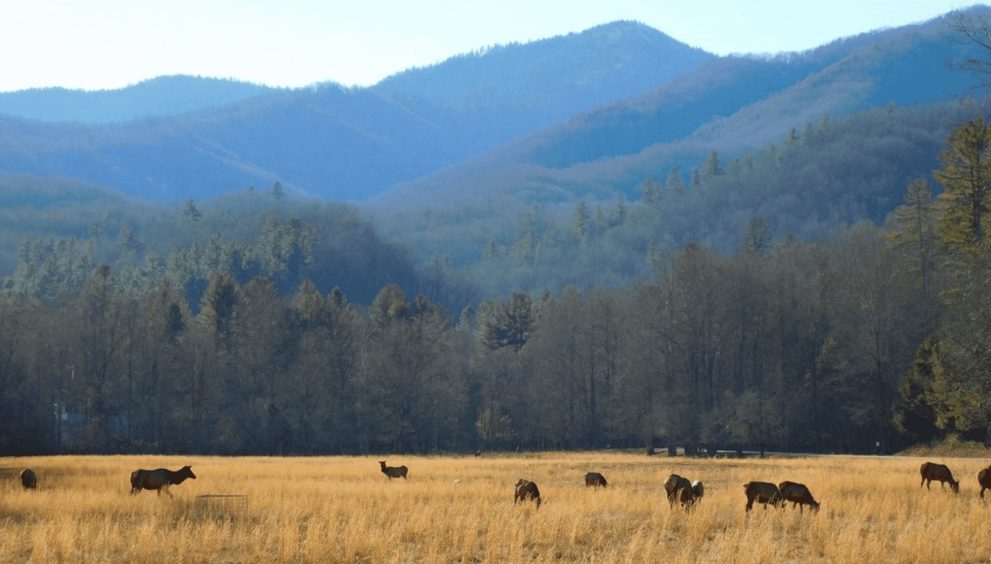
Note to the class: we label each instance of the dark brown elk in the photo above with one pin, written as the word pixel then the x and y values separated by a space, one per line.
pixel 798 495
pixel 939 472
pixel 525 489
pixel 984 479
pixel 394 471
pixel 594 479
pixel 29 479
pixel 159 479
pixel 698 489
pixel 763 493
pixel 675 484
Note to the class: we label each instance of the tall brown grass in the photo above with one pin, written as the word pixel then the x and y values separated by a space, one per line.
pixel 454 509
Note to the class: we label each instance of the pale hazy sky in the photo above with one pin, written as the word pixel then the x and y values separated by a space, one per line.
pixel 95 44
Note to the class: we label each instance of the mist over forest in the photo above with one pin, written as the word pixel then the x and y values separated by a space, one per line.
pixel 603 239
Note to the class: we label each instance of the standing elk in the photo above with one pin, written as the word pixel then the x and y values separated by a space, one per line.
pixel 594 479
pixel 159 479
pixel 763 493
pixel 393 471
pixel 673 484
pixel 29 480
pixel 939 472
pixel 798 495
pixel 525 489
pixel 984 479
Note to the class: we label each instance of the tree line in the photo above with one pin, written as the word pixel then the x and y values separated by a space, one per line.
pixel 874 337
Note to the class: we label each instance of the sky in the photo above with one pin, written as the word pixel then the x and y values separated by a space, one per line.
pixel 101 44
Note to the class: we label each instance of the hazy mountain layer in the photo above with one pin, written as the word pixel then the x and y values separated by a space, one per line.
pixel 350 144
pixel 731 105
pixel 162 96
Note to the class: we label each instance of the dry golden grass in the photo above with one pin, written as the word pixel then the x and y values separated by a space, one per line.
pixel 453 509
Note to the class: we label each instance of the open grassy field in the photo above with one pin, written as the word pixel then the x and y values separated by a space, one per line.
pixel 457 509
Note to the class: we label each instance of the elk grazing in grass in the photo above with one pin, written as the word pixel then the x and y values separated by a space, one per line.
pixel 159 479
pixel 763 493
pixel 697 490
pixel 689 496
pixel 393 471
pixel 984 479
pixel 798 495
pixel 939 472
pixel 29 480
pixel 525 489
pixel 674 485
pixel 680 489
pixel 594 480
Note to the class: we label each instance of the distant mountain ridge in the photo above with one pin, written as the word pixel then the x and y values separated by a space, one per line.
pixel 558 77
pixel 156 97
pixel 731 105
pixel 350 144
pixel 587 114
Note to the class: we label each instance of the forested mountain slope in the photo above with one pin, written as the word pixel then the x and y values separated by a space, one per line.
pixel 824 178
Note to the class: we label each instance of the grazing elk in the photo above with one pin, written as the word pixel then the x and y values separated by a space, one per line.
pixel 525 489
pixel 691 495
pixel 984 479
pixel 763 493
pixel 673 485
pixel 393 471
pixel 698 489
pixel 594 479
pixel 680 489
pixel 159 479
pixel 798 495
pixel 939 472
pixel 29 480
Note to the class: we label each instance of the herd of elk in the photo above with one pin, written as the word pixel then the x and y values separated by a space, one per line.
pixel 677 488
pixel 766 493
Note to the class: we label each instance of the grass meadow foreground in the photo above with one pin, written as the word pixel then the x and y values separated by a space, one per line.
pixel 460 509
